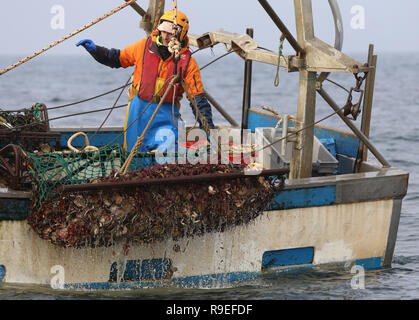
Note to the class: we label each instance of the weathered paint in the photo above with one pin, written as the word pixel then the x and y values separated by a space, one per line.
pixel 14 208
pixel 370 263
pixel 345 218
pixel 361 229
pixel 301 198
pixel 215 280
pixel 394 226
pixel 287 257
pixel 2 272
pixel 135 270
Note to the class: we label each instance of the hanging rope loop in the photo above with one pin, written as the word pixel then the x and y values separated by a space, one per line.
pixel 281 46
pixel 174 48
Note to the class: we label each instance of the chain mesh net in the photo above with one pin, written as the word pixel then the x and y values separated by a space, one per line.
pixel 153 213
pixel 142 214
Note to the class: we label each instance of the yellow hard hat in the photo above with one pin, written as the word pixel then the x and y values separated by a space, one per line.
pixel 182 21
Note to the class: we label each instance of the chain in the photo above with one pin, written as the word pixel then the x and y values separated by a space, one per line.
pixel 359 80
pixel 355 109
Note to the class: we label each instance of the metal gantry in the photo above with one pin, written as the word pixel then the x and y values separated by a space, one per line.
pixel 312 57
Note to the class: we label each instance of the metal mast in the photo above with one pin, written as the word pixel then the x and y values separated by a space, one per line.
pixel 301 163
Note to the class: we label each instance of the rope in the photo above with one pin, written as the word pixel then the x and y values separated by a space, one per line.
pixel 145 109
pixel 338 85
pixel 67 37
pixel 174 47
pixel 67 116
pixel 173 109
pixel 175 17
pixel 127 163
pixel 174 44
pixel 281 46
pixel 197 114
pixel 87 148
pixel 110 111
pixel 74 103
pixel 222 56
pixel 87 112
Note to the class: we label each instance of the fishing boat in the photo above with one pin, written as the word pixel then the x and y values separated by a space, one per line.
pixel 333 207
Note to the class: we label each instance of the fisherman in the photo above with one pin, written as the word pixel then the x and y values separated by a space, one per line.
pixel 154 67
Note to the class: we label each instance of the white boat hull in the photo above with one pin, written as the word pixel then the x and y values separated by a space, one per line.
pixel 341 234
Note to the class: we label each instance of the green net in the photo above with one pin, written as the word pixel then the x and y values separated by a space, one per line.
pixel 49 170
pixel 150 213
pixel 142 213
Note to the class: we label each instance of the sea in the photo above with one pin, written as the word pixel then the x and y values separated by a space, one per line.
pixel 57 80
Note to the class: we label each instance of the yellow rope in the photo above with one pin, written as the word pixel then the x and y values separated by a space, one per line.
pixel 67 37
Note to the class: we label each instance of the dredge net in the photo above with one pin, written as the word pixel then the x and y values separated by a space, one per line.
pixel 142 214
pixel 50 170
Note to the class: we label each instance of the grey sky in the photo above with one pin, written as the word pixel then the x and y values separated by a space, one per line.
pixel 25 25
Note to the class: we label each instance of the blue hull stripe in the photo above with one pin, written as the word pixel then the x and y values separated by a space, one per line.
pixel 287 257
pixel 215 279
pixel 303 198
pixel 14 209
pixel 2 272
pixel 370 263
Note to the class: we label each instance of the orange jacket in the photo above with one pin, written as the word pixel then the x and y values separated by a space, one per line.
pixel 133 56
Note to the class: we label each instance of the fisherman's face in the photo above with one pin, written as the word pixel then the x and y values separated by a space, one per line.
pixel 166 37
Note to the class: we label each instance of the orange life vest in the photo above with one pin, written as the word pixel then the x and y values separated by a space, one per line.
pixel 150 73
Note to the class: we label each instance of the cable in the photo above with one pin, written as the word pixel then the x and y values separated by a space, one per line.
pixel 337 84
pixel 110 111
pixel 302 129
pixel 74 103
pixel 225 54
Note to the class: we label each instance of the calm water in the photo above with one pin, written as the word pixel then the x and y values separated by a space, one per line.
pixel 56 80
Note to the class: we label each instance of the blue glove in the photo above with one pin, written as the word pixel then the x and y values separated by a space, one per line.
pixel 89 45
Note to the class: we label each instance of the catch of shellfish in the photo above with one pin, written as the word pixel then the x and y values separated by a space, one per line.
pixel 155 212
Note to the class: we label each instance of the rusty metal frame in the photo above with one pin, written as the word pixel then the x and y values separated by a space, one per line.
pixel 14 172
pixel 166 181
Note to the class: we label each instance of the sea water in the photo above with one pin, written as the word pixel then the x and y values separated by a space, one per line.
pixel 58 80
